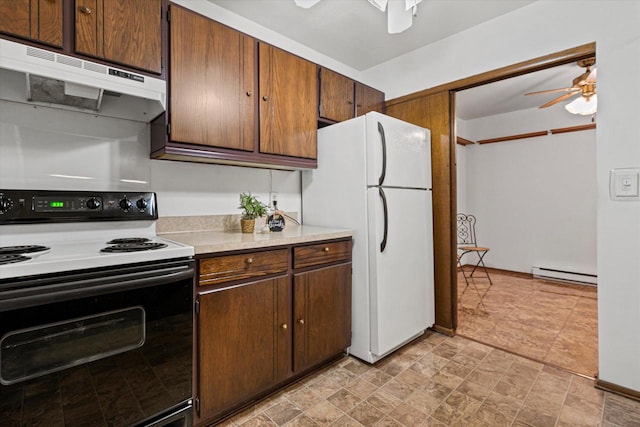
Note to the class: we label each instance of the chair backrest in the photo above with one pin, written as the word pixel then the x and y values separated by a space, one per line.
pixel 466 229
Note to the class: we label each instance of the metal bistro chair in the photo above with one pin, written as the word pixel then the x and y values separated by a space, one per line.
pixel 467 243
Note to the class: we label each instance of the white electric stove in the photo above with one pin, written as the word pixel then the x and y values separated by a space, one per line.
pixel 45 232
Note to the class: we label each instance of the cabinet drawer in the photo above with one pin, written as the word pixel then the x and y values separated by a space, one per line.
pixel 322 253
pixel 242 266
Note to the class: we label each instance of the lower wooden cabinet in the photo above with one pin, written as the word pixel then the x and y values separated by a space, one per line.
pixel 322 314
pixel 243 342
pixel 262 328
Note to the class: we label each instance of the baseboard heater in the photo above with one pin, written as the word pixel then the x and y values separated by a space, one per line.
pixel 565 276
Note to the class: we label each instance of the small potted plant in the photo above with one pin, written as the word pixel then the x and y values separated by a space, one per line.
pixel 252 209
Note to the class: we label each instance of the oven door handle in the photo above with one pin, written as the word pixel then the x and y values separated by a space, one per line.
pixel 82 288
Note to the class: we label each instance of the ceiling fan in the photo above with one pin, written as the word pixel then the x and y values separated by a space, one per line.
pixel 583 85
pixel 400 13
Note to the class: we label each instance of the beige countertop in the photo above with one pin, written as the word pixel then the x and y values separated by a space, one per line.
pixel 212 241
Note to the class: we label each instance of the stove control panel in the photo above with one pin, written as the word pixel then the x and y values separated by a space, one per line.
pixel 34 206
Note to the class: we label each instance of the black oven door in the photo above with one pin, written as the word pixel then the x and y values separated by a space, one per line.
pixel 109 347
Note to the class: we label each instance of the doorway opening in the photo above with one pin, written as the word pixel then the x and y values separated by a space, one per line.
pixel 528 174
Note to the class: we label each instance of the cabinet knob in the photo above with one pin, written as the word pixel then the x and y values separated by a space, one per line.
pixel 301 321
pixel 350 102
pixel 249 93
pixel 85 9
pixel 249 261
pixel 266 98
pixel 325 249
pixel 284 326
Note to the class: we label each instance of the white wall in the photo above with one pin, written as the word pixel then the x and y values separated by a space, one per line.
pixel 534 198
pixel 535 30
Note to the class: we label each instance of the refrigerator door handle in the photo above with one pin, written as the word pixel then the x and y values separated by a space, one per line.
pixel 383 244
pixel 384 153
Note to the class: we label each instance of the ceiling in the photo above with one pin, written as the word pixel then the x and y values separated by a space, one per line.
pixel 355 33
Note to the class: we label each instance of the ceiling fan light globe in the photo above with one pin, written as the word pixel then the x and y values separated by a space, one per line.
pixel 583 106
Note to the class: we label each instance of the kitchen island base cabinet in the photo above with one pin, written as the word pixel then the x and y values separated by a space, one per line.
pixel 242 342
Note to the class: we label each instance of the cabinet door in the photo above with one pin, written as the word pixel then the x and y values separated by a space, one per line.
pixel 368 99
pixel 121 31
pixel 288 101
pixel 322 314
pixel 213 99
pixel 243 343
pixel 39 20
pixel 336 96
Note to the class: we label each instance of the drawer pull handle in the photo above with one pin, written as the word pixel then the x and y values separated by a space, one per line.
pixel 284 326
pixel 266 98
pixel 85 9
pixel 301 321
pixel 249 260
pixel 249 93
pixel 325 249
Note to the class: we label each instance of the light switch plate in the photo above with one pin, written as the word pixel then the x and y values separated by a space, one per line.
pixel 624 184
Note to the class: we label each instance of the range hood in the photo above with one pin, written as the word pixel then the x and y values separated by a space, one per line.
pixel 42 77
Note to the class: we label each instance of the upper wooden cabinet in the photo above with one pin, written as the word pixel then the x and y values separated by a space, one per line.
pixel 213 83
pixel 38 20
pixel 368 99
pixel 288 96
pixel 234 100
pixel 122 31
pixel 336 96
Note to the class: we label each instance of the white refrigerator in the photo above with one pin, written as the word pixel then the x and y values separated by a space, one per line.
pixel 374 177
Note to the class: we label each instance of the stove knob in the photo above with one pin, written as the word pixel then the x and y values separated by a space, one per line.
pixel 93 203
pixel 125 204
pixel 142 204
pixel 5 204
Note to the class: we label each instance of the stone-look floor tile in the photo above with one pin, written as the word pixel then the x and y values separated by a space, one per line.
pixel 407 415
pixel 571 417
pixel 357 367
pixel 366 414
pixel 537 417
pixel 457 369
pixel 621 411
pixel 446 350
pixel 283 412
pixel 323 413
pixel 446 379
pixel 388 422
pixel 304 398
pixel 385 402
pixel 259 421
pixel 398 389
pixel 377 377
pixel 301 421
pixel 506 405
pixel 456 406
pixel 412 378
pixel 324 385
pixel 424 402
pixel 547 321
pixel 362 388
pixel 473 390
pixel 344 399
pixel 346 421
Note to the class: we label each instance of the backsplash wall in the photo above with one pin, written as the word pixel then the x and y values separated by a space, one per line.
pixel 53 149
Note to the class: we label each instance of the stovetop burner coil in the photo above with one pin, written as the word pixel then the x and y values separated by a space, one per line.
pixel 134 247
pixel 127 240
pixel 22 249
pixel 11 259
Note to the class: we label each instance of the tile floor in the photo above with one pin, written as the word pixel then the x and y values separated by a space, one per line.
pixel 547 321
pixel 442 381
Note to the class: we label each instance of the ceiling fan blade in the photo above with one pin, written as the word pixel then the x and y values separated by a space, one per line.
pixel 558 99
pixel 564 89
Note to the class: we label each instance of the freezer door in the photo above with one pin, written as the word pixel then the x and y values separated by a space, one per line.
pixel 400 266
pixel 398 153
